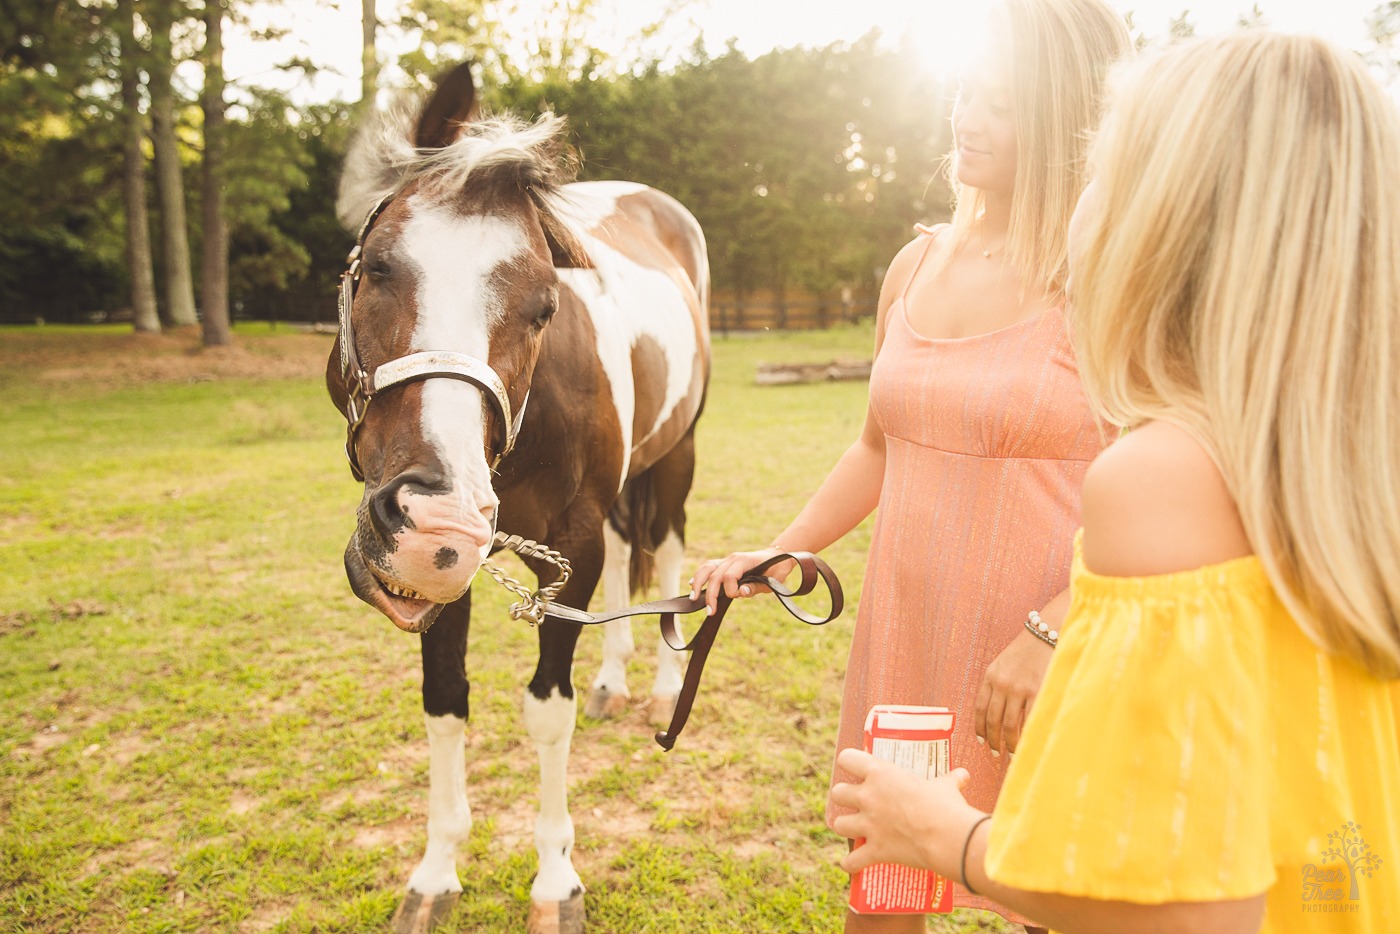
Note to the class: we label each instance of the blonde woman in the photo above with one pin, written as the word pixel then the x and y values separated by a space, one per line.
pixel 978 433
pixel 1217 745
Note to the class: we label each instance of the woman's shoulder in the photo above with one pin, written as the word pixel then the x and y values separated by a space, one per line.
pixel 1155 502
pixel 906 263
pixel 924 239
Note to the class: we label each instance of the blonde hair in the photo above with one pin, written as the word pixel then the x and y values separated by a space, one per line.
pixel 1241 278
pixel 1059 55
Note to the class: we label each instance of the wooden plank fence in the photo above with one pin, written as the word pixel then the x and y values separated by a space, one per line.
pixel 773 310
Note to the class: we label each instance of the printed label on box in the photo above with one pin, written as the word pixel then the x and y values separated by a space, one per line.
pixel 917 739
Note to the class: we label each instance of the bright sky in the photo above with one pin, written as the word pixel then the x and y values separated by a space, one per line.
pixel 328 33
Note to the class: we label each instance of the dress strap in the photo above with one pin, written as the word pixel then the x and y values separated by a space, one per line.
pixel 928 233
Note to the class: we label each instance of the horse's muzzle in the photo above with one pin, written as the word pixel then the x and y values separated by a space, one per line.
pixel 411 614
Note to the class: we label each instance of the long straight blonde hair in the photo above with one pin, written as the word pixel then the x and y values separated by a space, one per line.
pixel 1240 276
pixel 1059 53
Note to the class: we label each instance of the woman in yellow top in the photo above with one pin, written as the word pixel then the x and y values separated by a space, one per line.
pixel 1216 746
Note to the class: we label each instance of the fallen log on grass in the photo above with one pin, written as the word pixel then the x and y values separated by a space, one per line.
pixel 782 374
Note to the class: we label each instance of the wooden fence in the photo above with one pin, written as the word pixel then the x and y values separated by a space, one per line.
pixel 773 310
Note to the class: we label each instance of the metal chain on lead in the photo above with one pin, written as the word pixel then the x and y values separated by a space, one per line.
pixel 533 603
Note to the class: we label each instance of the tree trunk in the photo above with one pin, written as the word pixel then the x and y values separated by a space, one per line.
pixel 213 265
pixel 369 58
pixel 138 226
pixel 179 283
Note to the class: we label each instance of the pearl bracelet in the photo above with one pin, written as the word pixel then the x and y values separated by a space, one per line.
pixel 1041 629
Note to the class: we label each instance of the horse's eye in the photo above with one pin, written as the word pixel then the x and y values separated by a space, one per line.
pixel 547 310
pixel 378 269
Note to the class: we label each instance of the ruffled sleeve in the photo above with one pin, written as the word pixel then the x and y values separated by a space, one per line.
pixel 1144 771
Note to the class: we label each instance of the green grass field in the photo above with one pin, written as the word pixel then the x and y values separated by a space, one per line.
pixel 205 731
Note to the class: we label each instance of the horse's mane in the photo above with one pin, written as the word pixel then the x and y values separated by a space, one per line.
pixel 499 150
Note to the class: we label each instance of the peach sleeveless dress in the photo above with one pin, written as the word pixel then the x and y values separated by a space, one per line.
pixel 987 441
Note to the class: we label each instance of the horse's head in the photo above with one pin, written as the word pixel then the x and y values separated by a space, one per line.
pixel 443 311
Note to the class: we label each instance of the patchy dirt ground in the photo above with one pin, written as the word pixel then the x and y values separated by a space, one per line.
pixel 107 358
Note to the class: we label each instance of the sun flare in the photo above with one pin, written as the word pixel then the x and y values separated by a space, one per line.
pixel 948 35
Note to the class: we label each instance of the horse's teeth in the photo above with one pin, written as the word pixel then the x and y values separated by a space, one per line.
pixel 402 591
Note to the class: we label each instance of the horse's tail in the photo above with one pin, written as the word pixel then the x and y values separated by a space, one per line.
pixel 651 507
pixel 633 517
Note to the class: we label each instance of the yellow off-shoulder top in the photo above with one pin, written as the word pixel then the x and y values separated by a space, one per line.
pixel 1191 744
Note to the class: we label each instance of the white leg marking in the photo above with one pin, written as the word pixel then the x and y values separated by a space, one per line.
pixel 670 664
pixel 550 724
pixel 449 815
pixel 617 635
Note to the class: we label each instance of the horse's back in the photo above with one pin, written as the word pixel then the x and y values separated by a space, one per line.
pixel 646 292
pixel 617 212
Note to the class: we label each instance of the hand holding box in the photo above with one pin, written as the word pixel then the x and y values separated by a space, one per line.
pixel 917 739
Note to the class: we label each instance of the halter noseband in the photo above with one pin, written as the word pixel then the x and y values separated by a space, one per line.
pixel 362 386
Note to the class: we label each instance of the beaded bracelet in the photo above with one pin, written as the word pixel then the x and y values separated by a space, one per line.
pixel 1041 629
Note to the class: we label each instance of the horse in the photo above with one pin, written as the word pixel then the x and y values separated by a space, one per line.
pixel 526 354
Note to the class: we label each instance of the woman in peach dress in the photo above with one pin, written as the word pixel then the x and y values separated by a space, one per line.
pixel 977 434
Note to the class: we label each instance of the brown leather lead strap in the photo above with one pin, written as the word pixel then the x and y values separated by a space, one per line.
pixel 813 569
pixel 699 651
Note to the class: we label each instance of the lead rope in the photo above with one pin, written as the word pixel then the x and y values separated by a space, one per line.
pixel 533 604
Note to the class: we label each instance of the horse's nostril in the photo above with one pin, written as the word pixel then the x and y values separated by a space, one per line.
pixel 387 514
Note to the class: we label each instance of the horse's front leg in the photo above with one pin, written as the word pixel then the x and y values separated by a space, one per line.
pixel 433 888
pixel 556 896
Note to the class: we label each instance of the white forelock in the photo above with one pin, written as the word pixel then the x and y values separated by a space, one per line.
pixel 383 156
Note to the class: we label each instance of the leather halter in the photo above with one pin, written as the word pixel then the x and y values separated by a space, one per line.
pixel 813 569
pixel 361 386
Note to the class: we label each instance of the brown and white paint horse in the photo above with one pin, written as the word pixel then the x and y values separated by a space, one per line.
pixel 587 299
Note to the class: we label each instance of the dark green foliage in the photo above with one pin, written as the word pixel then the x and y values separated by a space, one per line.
pixel 60 197
pixel 806 167
pixel 288 264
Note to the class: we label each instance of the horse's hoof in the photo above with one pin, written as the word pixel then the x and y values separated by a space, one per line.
pixel 557 917
pixel 605 705
pixel 661 709
pixel 419 914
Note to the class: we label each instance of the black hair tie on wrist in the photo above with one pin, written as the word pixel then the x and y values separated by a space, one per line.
pixel 967 844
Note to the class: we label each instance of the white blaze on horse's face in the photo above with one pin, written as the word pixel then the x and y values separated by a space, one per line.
pixel 448 535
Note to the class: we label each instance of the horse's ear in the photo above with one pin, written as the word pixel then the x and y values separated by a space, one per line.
pixel 452 106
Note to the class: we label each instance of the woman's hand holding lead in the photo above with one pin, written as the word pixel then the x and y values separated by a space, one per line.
pixel 721 575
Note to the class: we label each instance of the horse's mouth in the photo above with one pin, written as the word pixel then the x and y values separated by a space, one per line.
pixel 404 608
pixel 407 610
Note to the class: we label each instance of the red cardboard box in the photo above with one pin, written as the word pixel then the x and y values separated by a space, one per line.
pixel 917 739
